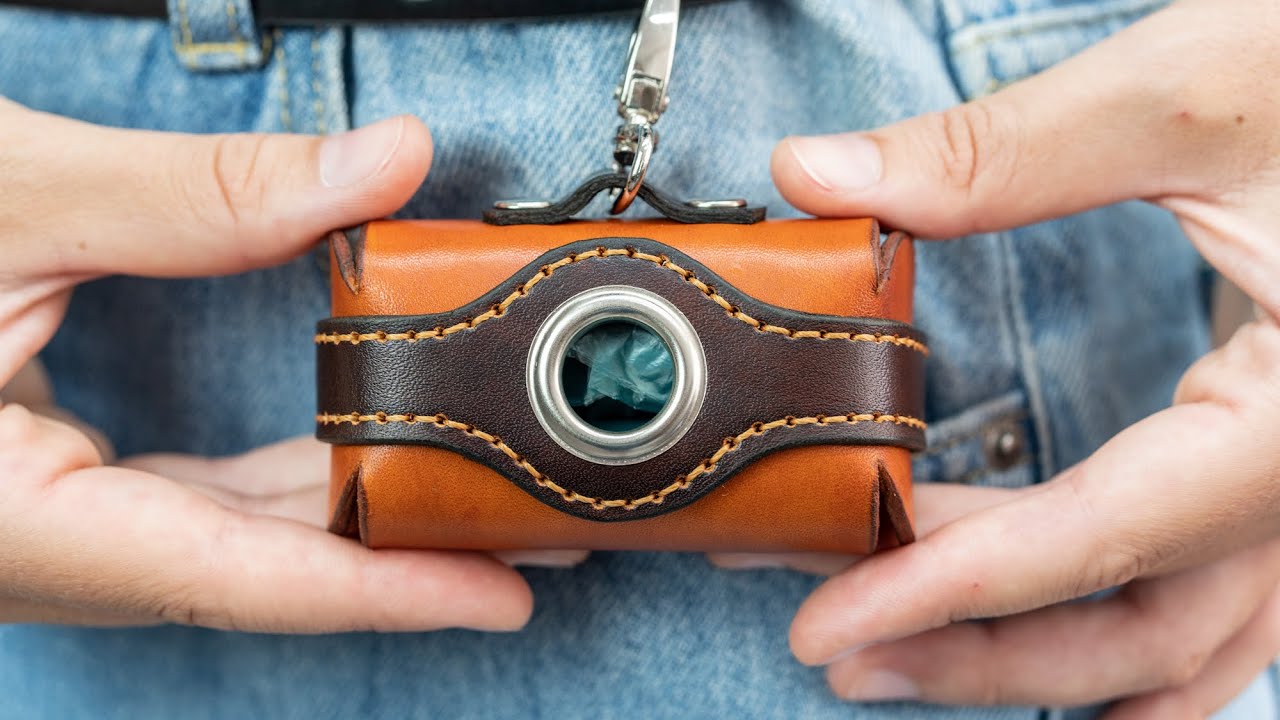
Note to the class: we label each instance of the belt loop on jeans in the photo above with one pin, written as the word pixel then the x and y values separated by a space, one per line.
pixel 216 34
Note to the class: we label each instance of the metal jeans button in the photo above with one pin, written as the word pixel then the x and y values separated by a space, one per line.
pixel 1005 445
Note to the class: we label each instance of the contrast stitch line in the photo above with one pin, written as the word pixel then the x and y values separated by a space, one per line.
pixel 322 123
pixel 213 48
pixel 188 47
pixel 286 119
pixel 184 23
pixel 546 271
pixel 233 23
pixel 974 33
pixel 682 482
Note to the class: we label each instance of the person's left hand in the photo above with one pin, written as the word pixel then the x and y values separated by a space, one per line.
pixel 227 543
pixel 1184 507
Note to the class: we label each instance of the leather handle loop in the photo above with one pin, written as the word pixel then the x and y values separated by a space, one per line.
pixel 573 203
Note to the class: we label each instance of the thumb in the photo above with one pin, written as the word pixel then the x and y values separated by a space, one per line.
pixel 89 200
pixel 1128 118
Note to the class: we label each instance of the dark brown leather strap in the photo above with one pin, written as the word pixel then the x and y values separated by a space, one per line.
pixel 672 209
pixel 777 379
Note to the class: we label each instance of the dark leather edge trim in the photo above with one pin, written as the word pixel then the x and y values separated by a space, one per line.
pixel 482 452
pixel 893 509
pixel 564 209
pixel 762 310
pixel 885 253
pixel 345 519
pixel 362 508
pixel 348 252
pixel 877 510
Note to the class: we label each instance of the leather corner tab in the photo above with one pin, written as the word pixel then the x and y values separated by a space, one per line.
pixel 348 254
pixel 884 249
pixel 894 521
pixel 349 517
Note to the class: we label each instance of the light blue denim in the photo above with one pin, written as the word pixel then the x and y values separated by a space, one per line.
pixel 1026 327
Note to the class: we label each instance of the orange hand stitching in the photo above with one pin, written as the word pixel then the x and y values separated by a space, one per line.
pixel 681 482
pixel 547 271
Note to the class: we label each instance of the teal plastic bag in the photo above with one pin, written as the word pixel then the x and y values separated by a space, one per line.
pixel 618 373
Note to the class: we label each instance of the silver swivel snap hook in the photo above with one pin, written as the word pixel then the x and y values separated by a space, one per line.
pixel 642 96
pixel 642 100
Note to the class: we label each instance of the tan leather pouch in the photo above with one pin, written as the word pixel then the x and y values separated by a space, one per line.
pixel 801 439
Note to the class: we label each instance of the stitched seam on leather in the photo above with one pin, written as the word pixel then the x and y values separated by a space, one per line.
pixel 682 482
pixel 546 271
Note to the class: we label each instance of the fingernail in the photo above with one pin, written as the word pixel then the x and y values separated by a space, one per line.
pixel 839 163
pixel 542 558
pixel 354 156
pixel 748 561
pixel 882 685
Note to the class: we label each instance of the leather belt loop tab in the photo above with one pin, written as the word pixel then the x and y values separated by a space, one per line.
pixel 216 35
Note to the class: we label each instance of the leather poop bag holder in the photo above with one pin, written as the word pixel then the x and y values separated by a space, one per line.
pixel 708 381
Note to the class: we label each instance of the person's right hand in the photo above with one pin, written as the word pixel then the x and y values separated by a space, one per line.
pixel 1180 508
pixel 178 539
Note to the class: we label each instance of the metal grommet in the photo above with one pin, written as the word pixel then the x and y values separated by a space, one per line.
pixel 576 316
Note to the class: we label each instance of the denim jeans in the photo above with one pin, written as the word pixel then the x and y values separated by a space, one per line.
pixel 1028 373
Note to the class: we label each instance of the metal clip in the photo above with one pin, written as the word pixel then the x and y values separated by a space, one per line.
pixel 642 97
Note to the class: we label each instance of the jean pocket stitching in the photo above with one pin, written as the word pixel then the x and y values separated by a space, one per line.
pixel 974 35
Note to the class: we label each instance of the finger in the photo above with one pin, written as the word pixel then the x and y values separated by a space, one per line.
pixel 33 446
pixel 811 563
pixel 124 542
pixel 289 479
pixel 936 505
pixel 24 612
pixel 1128 118
pixel 543 558
pixel 1148 501
pixel 1155 634
pixel 1224 677
pixel 30 311
pixel 1262 316
pixel 1245 372
pixel 155 549
pixel 32 388
pixel 151 203
pixel 66 417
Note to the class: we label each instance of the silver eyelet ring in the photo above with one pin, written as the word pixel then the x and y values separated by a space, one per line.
pixel 576 316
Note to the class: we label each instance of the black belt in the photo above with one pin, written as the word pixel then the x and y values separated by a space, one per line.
pixel 286 12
